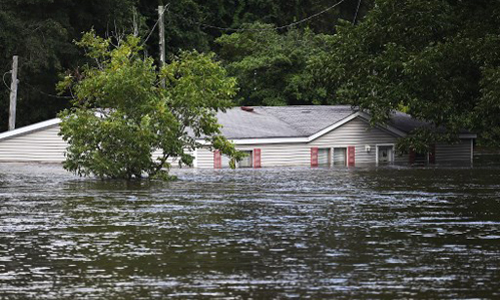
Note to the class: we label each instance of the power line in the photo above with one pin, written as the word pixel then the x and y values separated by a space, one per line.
pixel 3 78
pixel 47 94
pixel 274 28
pixel 356 14
pixel 154 26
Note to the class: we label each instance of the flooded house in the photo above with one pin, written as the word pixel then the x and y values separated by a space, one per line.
pixel 275 137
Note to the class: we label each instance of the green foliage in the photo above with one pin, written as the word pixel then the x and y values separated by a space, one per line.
pixel 122 114
pixel 273 68
pixel 437 59
pixel 41 32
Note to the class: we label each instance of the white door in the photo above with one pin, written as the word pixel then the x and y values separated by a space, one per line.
pixel 385 154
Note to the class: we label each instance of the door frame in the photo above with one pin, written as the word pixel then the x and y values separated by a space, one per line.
pixel 385 145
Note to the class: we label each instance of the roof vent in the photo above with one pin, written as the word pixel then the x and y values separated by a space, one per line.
pixel 306 111
pixel 247 108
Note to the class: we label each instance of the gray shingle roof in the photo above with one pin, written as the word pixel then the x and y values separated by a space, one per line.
pixel 280 121
pixel 406 123
pixel 295 121
pixel 240 124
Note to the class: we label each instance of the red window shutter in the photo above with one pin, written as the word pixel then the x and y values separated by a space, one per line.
pixel 432 154
pixel 256 158
pixel 314 156
pixel 412 156
pixel 351 150
pixel 217 159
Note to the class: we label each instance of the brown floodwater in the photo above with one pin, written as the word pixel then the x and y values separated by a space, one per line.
pixel 362 233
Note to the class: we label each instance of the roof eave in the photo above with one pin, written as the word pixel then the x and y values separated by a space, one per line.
pixel 29 128
pixel 467 136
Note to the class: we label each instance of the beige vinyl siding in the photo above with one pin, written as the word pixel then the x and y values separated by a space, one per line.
pixel 273 155
pixel 401 158
pixel 204 158
pixel 44 145
pixel 354 133
pixel 357 133
pixel 173 161
pixel 453 153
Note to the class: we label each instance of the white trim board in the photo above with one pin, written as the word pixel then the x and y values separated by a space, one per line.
pixel 29 128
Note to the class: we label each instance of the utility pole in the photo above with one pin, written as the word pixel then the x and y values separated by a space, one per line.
pixel 136 27
pixel 356 14
pixel 13 94
pixel 161 11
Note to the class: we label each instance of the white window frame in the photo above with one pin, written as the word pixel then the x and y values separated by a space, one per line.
pixel 346 154
pixel 251 159
pixel 330 156
pixel 385 145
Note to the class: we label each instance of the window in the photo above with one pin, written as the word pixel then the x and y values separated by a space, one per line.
pixel 324 157
pixel 340 157
pixel 247 161
pixel 225 161
pixel 420 158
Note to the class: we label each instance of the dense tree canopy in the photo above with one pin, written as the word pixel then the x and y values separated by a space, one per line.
pixel 272 67
pixel 41 33
pixel 436 59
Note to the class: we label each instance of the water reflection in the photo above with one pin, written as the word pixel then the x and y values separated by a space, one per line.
pixel 278 233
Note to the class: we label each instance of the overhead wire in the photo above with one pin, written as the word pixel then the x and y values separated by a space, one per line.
pixel 356 14
pixel 273 28
pixel 3 78
pixel 156 24
pixel 48 94
pixel 213 27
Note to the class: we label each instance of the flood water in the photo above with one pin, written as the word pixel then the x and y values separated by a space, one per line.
pixel 362 233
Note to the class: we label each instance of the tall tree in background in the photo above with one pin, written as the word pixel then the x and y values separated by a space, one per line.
pixel 195 24
pixel 437 59
pixel 41 33
pixel 272 67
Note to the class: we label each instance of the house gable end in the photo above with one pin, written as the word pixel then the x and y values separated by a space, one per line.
pixel 362 117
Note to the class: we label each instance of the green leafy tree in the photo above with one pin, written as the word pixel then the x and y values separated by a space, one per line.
pixel 436 59
pixel 273 67
pixel 194 24
pixel 122 113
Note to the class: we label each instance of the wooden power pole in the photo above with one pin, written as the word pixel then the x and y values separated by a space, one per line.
pixel 13 94
pixel 136 27
pixel 161 10
pixel 161 13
